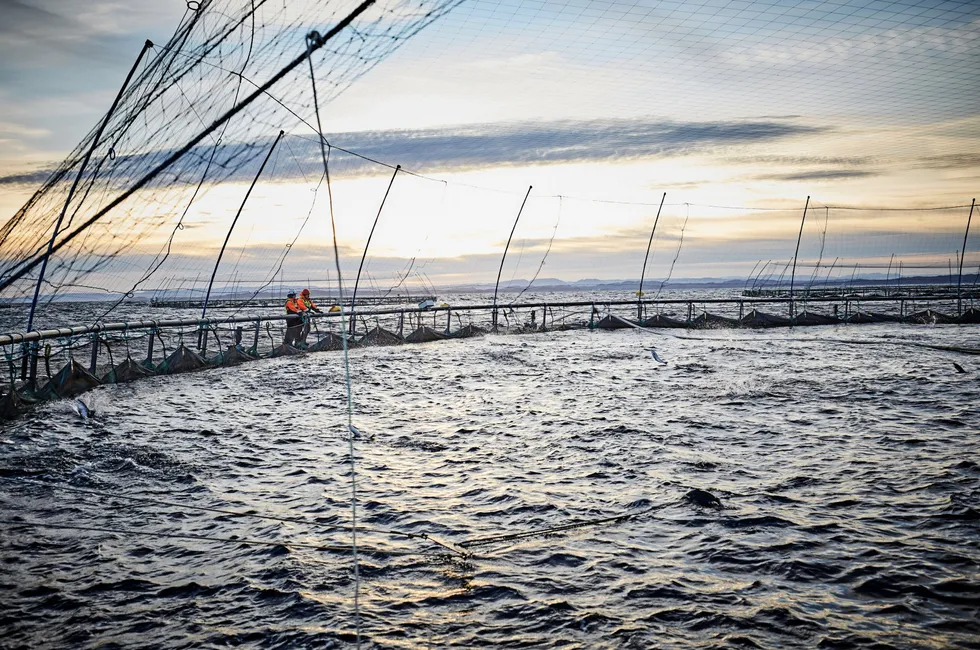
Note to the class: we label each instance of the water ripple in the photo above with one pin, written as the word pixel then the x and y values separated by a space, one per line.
pixel 847 486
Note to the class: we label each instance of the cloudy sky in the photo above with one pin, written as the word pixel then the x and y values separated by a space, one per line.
pixel 737 110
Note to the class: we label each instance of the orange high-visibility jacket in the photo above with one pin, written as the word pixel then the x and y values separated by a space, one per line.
pixel 294 306
pixel 307 303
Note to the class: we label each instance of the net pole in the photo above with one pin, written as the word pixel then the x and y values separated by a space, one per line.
pixel 639 292
pixel 179 153
pixel 207 295
pixel 748 278
pixel 959 281
pixel 357 278
pixel 78 177
pixel 792 278
pixel 71 193
pixel 888 273
pixel 504 256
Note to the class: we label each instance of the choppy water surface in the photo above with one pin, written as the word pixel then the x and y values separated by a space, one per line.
pixel 849 475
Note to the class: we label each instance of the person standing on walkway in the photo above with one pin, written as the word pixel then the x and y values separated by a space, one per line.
pixel 294 319
pixel 309 306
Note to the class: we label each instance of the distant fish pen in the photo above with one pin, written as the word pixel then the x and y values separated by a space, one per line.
pixel 66 362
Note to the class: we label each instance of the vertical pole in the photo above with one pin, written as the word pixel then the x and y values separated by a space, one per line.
pixel 32 370
pixel 357 279
pixel 207 295
pixel 95 353
pixel 78 177
pixel 504 257
pixel 959 282
pixel 639 292
pixel 792 278
pixel 255 338
pixel 149 350
pixel 449 320
pixel 888 273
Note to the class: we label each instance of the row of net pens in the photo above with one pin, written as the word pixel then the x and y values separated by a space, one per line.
pixel 85 359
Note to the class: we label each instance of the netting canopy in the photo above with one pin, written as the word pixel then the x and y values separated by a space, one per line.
pixel 739 110
pixel 198 111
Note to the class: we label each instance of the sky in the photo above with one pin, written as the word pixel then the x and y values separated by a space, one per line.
pixel 738 111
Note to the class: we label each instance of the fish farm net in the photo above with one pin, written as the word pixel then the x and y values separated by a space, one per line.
pixel 171 235
pixel 198 115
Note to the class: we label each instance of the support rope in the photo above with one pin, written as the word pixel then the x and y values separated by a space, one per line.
pixel 312 39
pixel 510 537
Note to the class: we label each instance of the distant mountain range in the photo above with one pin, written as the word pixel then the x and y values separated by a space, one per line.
pixel 540 285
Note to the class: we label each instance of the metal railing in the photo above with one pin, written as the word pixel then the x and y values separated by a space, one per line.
pixel 150 342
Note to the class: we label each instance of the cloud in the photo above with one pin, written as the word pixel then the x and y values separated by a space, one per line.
pixel 26 178
pixel 483 146
pixel 802 160
pixel 951 161
pixel 536 143
pixel 11 128
pixel 25 18
pixel 818 175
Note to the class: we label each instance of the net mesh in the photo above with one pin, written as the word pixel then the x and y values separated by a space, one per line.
pixel 134 195
pixel 145 223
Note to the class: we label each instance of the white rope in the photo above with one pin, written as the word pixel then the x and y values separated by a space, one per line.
pixel 351 430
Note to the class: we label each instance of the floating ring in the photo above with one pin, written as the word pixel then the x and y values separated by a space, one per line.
pixel 193 5
pixel 112 153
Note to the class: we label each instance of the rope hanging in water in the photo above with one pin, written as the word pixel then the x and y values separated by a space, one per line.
pixel 510 537
pixel 313 40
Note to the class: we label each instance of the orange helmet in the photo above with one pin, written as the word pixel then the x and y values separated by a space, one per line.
pixel 306 292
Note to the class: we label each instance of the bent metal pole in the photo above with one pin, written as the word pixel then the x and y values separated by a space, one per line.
pixel 202 340
pixel 792 278
pixel 504 257
pixel 320 42
pixel 639 292
pixel 78 177
pixel 357 279
pixel 959 281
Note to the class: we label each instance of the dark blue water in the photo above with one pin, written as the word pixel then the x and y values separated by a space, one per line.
pixel 849 477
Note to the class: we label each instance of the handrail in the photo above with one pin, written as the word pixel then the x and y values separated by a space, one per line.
pixel 11 338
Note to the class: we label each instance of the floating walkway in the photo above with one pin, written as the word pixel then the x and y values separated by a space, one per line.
pixel 65 362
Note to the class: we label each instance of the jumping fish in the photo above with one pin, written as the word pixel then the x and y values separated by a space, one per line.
pixel 656 357
pixel 80 408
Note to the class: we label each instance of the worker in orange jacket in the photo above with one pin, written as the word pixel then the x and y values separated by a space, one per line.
pixel 308 306
pixel 294 319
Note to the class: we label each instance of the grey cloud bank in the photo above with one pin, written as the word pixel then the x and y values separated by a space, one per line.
pixel 496 145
